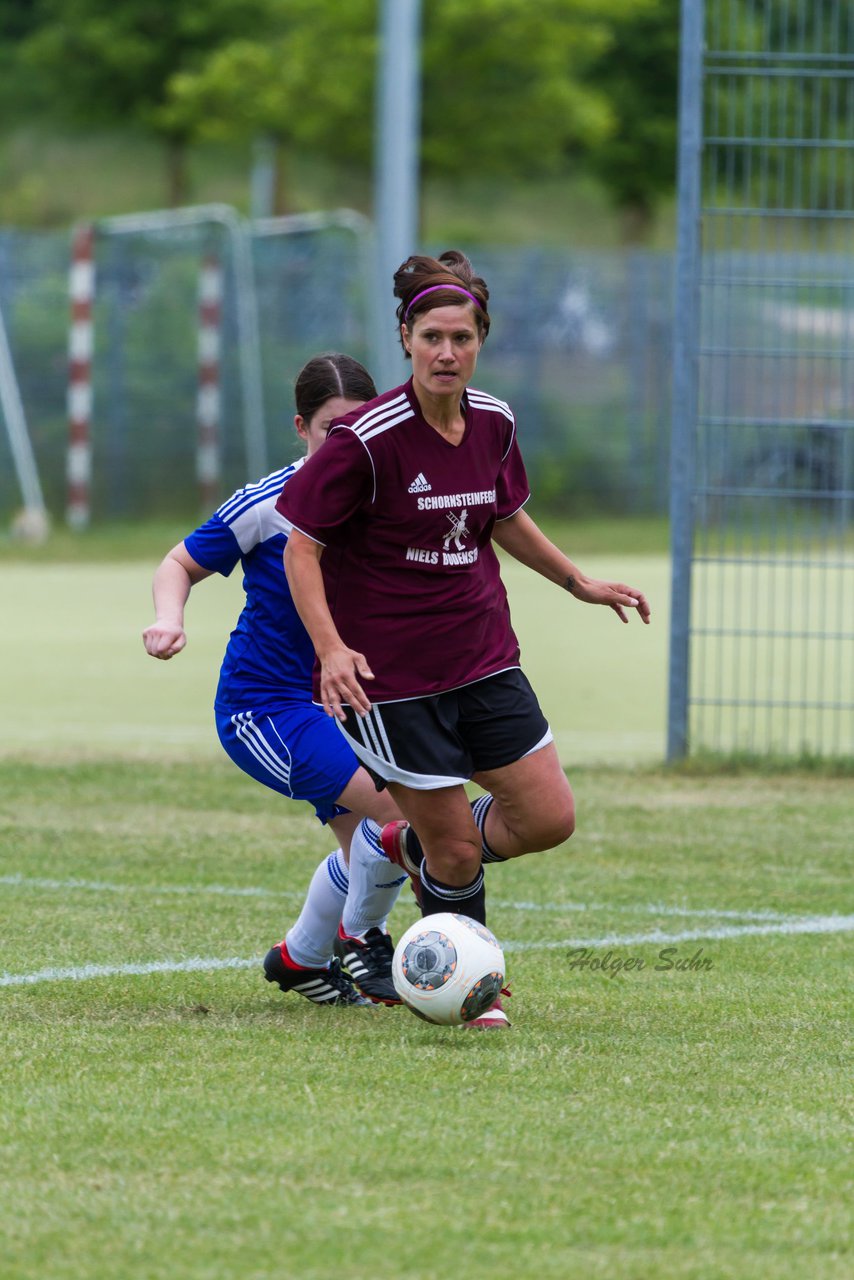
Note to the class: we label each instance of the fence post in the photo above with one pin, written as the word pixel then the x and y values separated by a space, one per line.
pixel 79 404
pixel 686 322
pixel 397 129
pixel 208 398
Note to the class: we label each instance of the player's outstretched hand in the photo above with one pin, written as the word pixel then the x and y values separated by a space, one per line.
pixel 163 639
pixel 341 673
pixel 616 595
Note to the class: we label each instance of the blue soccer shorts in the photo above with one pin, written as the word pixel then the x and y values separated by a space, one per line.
pixel 298 751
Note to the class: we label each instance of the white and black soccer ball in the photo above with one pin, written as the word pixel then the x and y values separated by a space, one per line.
pixel 448 969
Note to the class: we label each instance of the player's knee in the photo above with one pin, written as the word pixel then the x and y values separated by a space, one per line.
pixel 553 827
pixel 454 861
pixel 567 822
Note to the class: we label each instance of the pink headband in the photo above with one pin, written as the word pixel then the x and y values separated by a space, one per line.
pixel 458 288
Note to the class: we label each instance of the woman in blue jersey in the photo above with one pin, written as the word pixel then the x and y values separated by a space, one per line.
pixel 266 720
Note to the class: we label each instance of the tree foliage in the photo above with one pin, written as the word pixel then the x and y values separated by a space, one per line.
pixel 510 87
pixel 503 83
pixel 18 21
pixel 106 62
pixel 503 86
pixel 308 82
pixel 638 75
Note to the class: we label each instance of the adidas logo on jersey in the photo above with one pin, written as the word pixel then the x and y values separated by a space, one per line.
pixel 420 484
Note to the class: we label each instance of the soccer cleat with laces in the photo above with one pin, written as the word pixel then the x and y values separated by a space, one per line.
pixel 394 840
pixel 493 1018
pixel 321 986
pixel 368 962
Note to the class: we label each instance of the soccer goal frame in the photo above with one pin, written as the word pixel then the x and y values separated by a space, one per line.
pixel 32 522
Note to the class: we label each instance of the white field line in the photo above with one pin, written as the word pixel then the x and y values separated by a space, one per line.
pixel 79 973
pixel 809 925
pixel 221 890
pixel 645 908
pixel 181 890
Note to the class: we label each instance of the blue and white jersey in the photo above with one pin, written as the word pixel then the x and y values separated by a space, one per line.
pixel 269 659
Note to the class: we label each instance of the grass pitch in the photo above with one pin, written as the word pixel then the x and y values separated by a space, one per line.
pixel 76 678
pixel 166 1113
pixel 672 1100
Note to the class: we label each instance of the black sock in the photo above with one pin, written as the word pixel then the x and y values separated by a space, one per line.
pixel 466 899
pixel 414 847
pixel 480 808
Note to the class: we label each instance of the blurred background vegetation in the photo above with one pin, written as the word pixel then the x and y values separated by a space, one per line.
pixel 552 122
pixel 548 147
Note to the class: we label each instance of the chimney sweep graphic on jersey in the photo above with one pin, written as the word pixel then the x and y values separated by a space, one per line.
pixel 458 530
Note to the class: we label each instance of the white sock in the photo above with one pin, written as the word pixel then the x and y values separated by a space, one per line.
pixel 310 939
pixel 374 882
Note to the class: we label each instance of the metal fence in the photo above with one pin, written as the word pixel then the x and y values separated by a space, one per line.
pixel 580 346
pixel 762 636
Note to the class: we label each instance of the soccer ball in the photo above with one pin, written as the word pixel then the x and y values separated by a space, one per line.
pixel 448 969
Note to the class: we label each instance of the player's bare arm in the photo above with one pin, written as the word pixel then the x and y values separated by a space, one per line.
pixel 522 538
pixel 341 669
pixel 174 578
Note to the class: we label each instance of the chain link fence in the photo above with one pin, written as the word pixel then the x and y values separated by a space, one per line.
pixel 580 347
pixel 762 635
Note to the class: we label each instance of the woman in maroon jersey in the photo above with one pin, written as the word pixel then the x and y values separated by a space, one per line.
pixel 394 573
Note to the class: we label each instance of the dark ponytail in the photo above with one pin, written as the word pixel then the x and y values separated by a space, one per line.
pixel 327 375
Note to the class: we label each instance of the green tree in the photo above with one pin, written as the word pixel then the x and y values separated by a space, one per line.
pixel 509 87
pixel 18 20
pixel 309 86
pixel 106 62
pixel 637 73
pixel 504 86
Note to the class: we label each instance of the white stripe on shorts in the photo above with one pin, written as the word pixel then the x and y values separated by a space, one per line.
pixel 369 736
pixel 375 720
pixel 255 742
pixel 391 772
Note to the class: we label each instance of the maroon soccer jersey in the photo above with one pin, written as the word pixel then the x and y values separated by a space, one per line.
pixel 405 518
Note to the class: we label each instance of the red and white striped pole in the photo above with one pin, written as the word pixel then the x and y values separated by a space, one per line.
pixel 79 398
pixel 208 400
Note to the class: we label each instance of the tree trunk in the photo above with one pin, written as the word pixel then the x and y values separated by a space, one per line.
pixel 635 223
pixel 176 172
pixel 281 203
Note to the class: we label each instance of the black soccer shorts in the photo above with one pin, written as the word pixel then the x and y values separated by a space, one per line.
pixel 443 739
